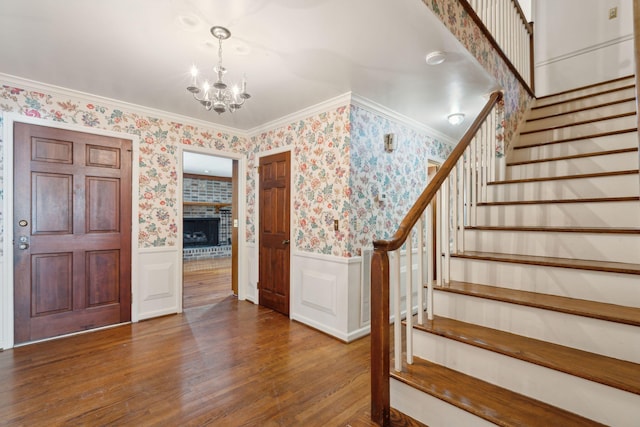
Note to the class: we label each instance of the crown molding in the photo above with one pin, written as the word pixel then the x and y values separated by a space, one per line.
pixel 23 83
pixel 374 107
pixel 321 107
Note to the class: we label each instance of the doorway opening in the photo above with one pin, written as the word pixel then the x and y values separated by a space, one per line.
pixel 209 229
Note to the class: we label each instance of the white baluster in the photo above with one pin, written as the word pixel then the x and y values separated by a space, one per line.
pixel 474 183
pixel 446 224
pixel 461 198
pixel 438 258
pixel 397 313
pixel 454 207
pixel 430 266
pixel 409 296
pixel 420 228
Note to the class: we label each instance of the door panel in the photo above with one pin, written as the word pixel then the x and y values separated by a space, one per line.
pixel 103 269
pixel 51 283
pixel 274 232
pixel 52 203
pixel 103 207
pixel 72 231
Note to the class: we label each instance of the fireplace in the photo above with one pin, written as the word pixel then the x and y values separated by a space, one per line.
pixel 200 232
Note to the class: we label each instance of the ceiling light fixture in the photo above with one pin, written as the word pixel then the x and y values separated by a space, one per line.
pixel 436 57
pixel 219 97
pixel 455 119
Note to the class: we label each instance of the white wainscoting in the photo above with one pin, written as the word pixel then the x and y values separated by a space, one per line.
pixel 6 329
pixel 159 282
pixel 251 291
pixel 326 294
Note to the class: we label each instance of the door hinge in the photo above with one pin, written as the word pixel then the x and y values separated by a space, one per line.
pixel 259 169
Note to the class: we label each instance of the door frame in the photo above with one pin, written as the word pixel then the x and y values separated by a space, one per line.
pixel 7 285
pixel 292 197
pixel 242 212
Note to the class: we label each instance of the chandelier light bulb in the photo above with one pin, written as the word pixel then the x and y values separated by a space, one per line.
pixel 222 98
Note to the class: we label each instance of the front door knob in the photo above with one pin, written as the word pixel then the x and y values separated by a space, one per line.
pixel 23 246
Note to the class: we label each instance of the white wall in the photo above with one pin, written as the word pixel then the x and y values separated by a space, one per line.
pixel 576 44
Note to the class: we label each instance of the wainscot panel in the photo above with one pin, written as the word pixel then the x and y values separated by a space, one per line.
pixel 159 282
pixel 252 276
pixel 326 294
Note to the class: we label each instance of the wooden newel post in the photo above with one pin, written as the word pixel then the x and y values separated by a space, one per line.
pixel 380 394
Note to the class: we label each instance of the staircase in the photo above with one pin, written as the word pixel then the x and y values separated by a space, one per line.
pixel 540 321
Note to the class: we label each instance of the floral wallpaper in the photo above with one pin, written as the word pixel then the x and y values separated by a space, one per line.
pixel 320 167
pixel 461 25
pixel 160 138
pixel 400 175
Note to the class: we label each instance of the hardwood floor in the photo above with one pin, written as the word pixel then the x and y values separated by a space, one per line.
pixel 228 364
pixel 206 282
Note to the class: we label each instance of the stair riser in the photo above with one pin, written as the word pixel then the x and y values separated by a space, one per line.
pixel 591 214
pixel 570 106
pixel 584 165
pixel 621 289
pixel 580 116
pixel 593 246
pixel 588 334
pixel 578 131
pixel 567 189
pixel 586 398
pixel 571 148
pixel 430 410
pixel 583 92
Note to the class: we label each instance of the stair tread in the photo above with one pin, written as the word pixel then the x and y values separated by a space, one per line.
pixel 581 109
pixel 594 309
pixel 605 370
pixel 488 401
pixel 574 156
pixel 545 201
pixel 575 138
pixel 606 266
pixel 561 177
pixel 578 123
pixel 589 95
pixel 555 229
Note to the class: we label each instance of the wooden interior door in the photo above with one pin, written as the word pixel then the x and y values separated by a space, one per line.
pixel 234 227
pixel 72 231
pixel 274 251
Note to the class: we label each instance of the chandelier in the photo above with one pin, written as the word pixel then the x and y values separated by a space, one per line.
pixel 218 97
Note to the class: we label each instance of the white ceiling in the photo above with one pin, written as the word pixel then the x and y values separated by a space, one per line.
pixel 295 54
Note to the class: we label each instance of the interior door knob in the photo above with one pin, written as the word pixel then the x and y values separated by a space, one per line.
pixel 285 242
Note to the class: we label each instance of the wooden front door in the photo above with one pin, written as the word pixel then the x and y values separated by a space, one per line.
pixel 72 231
pixel 274 249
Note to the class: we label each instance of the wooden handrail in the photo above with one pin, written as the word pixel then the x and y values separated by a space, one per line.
pixel 380 346
pixel 427 195
pixel 483 28
pixel 528 25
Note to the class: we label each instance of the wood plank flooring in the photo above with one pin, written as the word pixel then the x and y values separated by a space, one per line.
pixel 206 282
pixel 227 364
